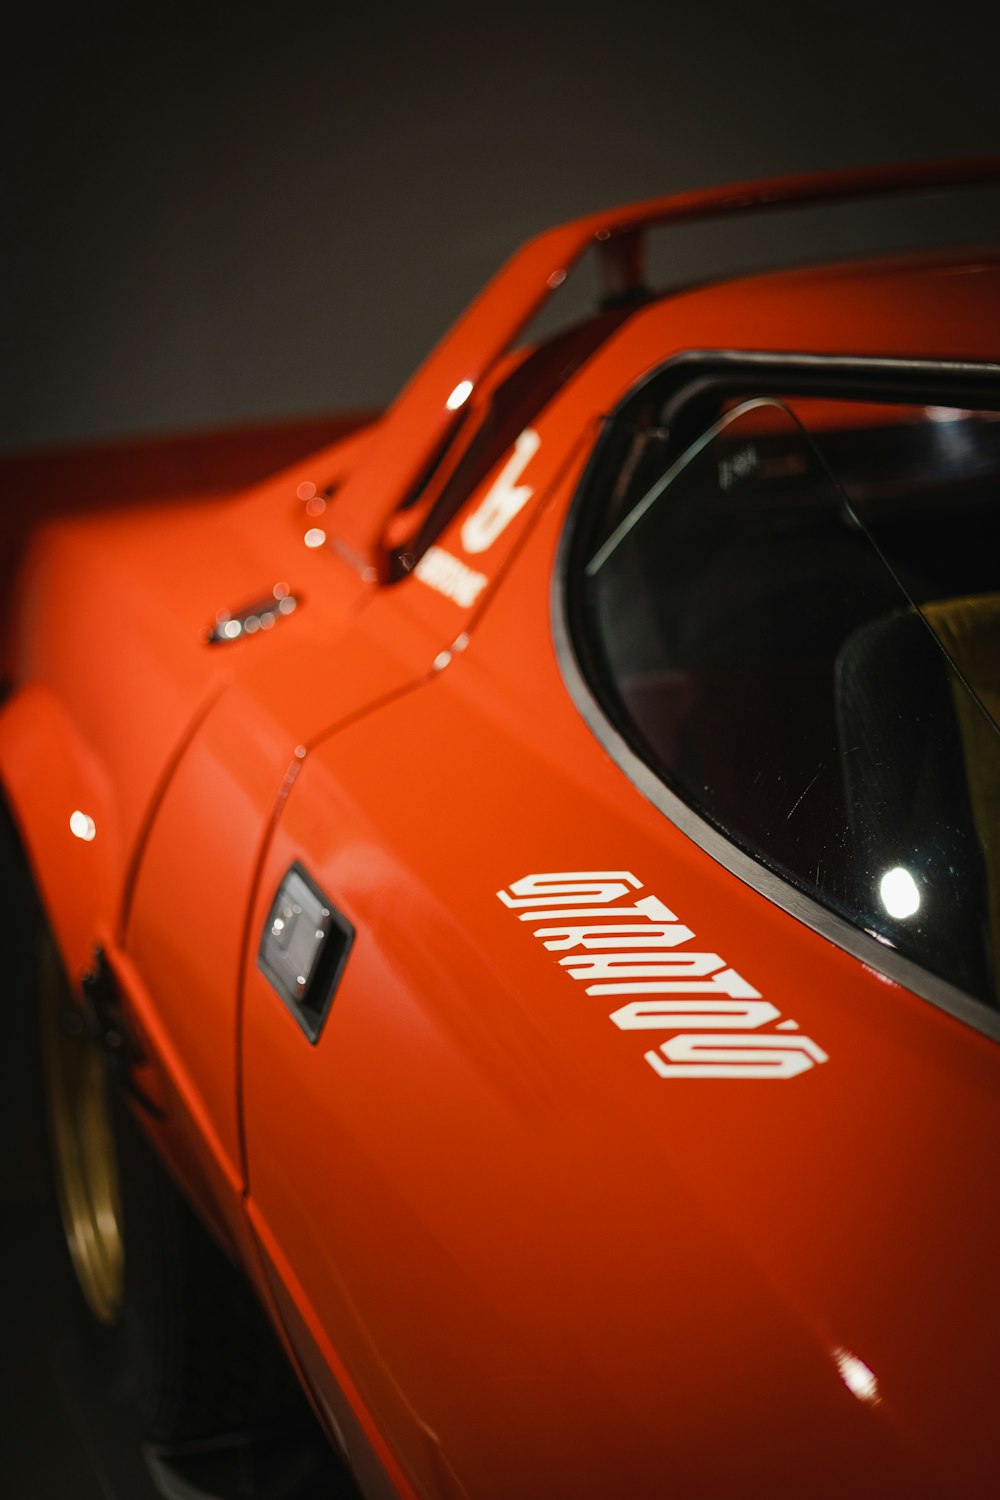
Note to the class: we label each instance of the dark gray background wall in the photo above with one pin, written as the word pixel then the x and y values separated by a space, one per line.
pixel 216 214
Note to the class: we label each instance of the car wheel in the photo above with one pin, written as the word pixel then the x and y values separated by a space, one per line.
pixel 173 1324
pixel 84 1147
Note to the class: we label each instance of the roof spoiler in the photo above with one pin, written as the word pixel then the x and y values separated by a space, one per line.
pixel 417 424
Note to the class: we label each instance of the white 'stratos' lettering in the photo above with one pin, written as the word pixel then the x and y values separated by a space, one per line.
pixel 716 1037
pixel 445 573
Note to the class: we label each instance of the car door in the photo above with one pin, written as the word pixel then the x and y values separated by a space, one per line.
pixel 463 1185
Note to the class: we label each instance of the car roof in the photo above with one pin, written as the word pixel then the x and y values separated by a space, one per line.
pixel 427 412
pixel 943 309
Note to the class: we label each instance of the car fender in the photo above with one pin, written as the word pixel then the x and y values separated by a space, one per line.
pixel 62 802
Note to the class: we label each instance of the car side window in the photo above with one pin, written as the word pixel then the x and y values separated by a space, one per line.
pixel 794 621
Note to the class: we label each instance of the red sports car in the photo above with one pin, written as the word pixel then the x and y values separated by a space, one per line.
pixel 531 868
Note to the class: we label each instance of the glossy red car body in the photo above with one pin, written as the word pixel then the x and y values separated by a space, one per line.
pixel 506 1257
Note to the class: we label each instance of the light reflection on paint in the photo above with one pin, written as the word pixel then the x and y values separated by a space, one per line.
pixel 899 893
pixel 82 826
pixel 459 395
pixel 946 414
pixel 315 537
pixel 859 1379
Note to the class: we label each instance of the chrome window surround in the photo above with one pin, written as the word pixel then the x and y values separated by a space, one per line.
pixel 951 382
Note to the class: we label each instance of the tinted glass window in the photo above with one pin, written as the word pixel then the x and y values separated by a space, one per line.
pixel 796 623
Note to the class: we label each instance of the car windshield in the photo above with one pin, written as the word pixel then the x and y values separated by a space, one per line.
pixel 795 622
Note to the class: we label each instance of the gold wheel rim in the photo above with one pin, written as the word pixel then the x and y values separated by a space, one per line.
pixel 84 1154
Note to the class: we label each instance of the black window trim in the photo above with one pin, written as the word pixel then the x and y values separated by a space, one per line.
pixel 965 383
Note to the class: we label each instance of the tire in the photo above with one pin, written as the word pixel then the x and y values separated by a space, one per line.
pixel 175 1327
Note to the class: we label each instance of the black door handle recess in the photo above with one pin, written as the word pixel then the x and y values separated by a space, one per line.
pixel 304 948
